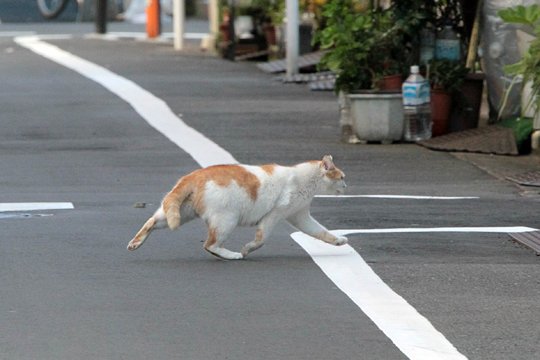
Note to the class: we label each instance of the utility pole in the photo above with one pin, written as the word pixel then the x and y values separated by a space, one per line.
pixel 101 16
pixel 231 48
pixel 179 19
pixel 292 37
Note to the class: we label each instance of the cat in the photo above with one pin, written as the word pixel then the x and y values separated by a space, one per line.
pixel 227 196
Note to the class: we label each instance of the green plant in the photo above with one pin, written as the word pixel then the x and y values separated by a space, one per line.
pixel 446 74
pixel 362 45
pixel 414 15
pixel 529 65
pixel 273 10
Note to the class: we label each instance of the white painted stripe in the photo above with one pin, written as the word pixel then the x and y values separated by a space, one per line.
pixel 487 229
pixel 413 197
pixel 154 110
pixel 115 35
pixel 16 33
pixel 5 207
pixel 412 333
pixel 187 35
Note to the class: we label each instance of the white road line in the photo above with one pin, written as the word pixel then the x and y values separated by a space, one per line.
pixel 188 35
pixel 486 229
pixel 407 197
pixel 151 108
pixel 6 207
pixel 16 33
pixel 116 35
pixel 411 332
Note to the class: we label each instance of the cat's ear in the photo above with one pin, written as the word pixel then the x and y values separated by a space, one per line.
pixel 328 163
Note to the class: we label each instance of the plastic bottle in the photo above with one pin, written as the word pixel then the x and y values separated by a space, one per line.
pixel 427 44
pixel 416 107
pixel 447 45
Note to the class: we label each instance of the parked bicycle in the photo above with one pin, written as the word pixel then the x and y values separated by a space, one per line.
pixel 50 9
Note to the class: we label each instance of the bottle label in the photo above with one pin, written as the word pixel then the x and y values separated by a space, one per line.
pixel 447 49
pixel 415 94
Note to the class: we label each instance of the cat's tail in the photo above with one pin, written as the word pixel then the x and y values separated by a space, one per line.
pixel 173 201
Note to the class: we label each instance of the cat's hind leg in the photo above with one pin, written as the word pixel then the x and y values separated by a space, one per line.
pixel 157 221
pixel 263 230
pixel 216 236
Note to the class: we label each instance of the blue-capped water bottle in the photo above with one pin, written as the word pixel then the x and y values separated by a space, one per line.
pixel 416 107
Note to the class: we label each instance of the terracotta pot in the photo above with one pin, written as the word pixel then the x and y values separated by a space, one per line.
pixel 391 82
pixel 270 34
pixel 441 102
pixel 224 31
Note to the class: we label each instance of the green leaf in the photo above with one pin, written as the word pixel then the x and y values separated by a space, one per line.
pixel 528 15
pixel 515 69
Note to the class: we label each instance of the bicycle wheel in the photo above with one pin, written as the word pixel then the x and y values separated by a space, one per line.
pixel 50 9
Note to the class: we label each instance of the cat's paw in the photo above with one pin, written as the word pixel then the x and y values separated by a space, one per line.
pixel 341 240
pixel 133 245
pixel 224 254
pixel 236 256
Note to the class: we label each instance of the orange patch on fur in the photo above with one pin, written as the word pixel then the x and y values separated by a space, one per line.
pixel 335 174
pixel 212 238
pixel 259 235
pixel 326 237
pixel 269 168
pixel 221 175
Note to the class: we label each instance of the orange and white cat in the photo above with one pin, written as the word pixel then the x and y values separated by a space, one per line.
pixel 227 196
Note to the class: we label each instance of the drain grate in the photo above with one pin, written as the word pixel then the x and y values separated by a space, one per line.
pixel 304 61
pixel 531 178
pixel 488 140
pixel 529 239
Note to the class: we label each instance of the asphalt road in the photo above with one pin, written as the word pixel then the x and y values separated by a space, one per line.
pixel 70 290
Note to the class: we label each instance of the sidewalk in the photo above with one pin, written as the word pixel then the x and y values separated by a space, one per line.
pixel 506 167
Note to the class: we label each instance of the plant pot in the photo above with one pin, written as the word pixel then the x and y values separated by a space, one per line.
pixel 466 103
pixel 441 102
pixel 270 34
pixel 377 116
pixel 391 82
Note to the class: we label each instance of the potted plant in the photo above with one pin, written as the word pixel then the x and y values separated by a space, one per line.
pixel 445 77
pixel 363 44
pixel 529 66
pixel 272 14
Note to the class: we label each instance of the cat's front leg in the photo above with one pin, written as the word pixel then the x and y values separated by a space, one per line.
pixel 304 222
pixel 331 238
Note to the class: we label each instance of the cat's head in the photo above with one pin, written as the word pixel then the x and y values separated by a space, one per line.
pixel 333 178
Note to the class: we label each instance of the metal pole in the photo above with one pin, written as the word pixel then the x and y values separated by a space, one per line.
pixel 101 16
pixel 231 48
pixel 292 37
pixel 213 16
pixel 179 18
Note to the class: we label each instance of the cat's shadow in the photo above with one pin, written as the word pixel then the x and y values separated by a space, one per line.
pixel 214 262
